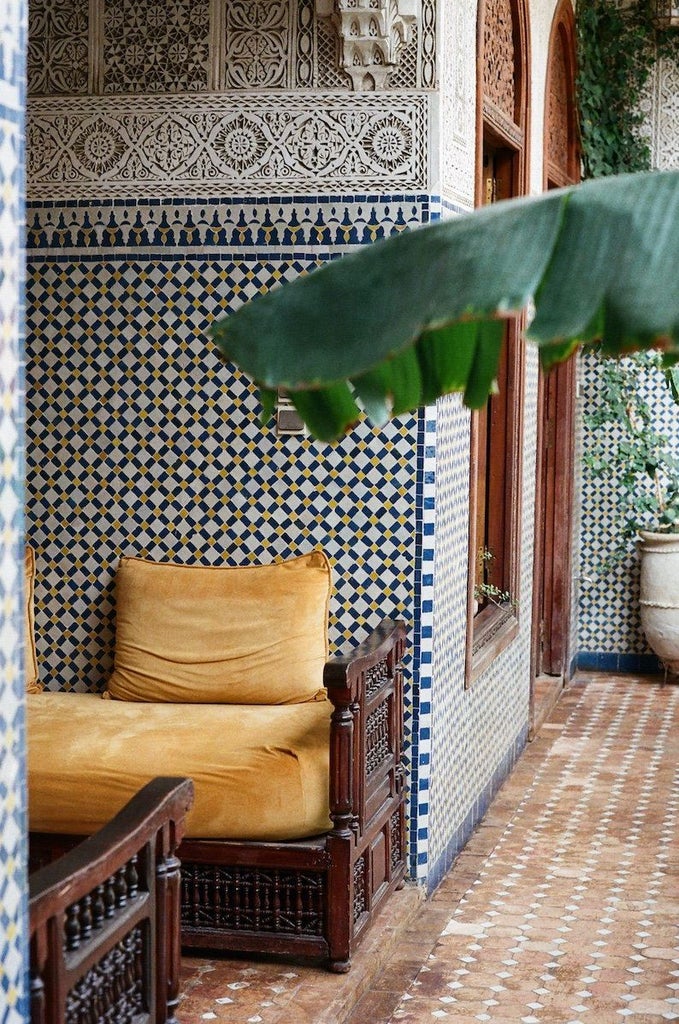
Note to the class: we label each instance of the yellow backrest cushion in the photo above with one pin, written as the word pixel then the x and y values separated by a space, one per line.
pixel 30 655
pixel 252 634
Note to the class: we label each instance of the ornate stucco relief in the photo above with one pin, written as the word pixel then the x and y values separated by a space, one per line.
pixel 257 43
pixel 193 146
pixel 58 47
pixel 80 47
pixel 155 46
pixel 664 115
pixel 458 104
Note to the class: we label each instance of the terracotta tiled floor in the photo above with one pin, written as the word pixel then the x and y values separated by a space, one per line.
pixel 564 906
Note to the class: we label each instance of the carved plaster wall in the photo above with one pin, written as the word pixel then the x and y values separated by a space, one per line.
pixel 458 104
pixel 181 145
pixel 260 97
pixel 148 46
pixel 664 115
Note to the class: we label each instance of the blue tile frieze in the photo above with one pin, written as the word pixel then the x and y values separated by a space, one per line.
pixel 289 223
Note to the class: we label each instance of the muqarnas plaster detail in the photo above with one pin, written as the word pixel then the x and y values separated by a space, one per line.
pixel 261 140
pixel 372 36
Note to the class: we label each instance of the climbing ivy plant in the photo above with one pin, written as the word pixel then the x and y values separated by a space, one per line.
pixel 617 48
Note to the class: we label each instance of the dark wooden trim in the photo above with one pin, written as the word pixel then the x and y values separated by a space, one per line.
pixel 562 31
pixel 506 130
pixel 555 473
pixel 489 633
pixel 555 469
pixel 513 134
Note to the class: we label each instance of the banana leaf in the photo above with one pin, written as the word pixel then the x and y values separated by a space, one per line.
pixel 401 322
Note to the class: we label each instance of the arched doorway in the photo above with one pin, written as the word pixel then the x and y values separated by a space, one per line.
pixel 556 409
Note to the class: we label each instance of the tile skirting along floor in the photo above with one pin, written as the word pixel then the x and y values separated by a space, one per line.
pixel 562 909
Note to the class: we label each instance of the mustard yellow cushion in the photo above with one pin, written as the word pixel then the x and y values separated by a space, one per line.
pixel 252 634
pixel 260 773
pixel 30 655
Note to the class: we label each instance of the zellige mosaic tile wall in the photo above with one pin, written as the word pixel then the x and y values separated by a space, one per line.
pixel 477 732
pixel 142 440
pixel 149 215
pixel 166 192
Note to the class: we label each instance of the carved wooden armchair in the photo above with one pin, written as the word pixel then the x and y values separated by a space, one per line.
pixel 104 918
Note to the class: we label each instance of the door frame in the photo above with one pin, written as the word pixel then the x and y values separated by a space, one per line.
pixel 556 409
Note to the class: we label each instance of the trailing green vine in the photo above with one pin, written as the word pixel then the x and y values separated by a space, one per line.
pixel 617 48
pixel 629 453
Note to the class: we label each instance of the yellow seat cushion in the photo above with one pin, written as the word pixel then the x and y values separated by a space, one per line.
pixel 260 773
pixel 251 634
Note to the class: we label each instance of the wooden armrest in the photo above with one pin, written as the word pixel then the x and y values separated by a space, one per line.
pixel 105 917
pixel 96 859
pixel 345 671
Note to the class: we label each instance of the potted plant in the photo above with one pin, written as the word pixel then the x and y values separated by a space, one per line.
pixel 633 453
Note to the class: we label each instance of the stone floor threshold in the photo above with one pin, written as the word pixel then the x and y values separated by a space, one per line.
pixel 546 692
pixel 237 988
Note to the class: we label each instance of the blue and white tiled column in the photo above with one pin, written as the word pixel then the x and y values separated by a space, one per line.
pixel 13 930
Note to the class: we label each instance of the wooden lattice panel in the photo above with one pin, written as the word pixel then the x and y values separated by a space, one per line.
pixel 113 988
pixel 247 899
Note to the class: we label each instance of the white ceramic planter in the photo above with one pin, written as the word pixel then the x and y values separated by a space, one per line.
pixel 660 594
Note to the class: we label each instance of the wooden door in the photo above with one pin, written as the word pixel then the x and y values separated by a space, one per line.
pixel 554 522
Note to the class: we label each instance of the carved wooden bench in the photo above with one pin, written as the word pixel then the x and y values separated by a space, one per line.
pixel 104 918
pixel 310 891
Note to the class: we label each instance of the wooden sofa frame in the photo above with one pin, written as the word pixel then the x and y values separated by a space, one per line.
pixel 104 918
pixel 313 898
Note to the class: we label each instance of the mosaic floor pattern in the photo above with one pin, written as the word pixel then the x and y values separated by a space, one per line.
pixel 563 908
